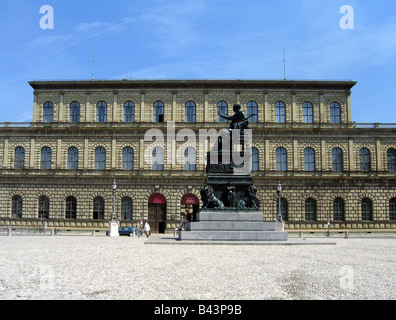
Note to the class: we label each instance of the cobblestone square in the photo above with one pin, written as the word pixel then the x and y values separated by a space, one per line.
pixel 124 268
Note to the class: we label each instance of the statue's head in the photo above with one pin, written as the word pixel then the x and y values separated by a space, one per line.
pixel 236 107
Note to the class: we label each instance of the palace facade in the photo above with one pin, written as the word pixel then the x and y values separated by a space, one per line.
pixel 59 169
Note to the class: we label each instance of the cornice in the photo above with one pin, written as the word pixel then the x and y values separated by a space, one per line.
pixel 175 85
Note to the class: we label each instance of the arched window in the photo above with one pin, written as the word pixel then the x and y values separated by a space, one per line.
pixel 367 209
pixel 127 158
pixel 190 159
pixel 252 109
pixel 158 159
pixel 309 159
pixel 48 112
pixel 19 158
pixel 158 112
pixel 190 111
pixel 98 208
pixel 364 158
pixel 281 159
pixel 310 209
pixel 336 159
pixel 126 208
pixel 222 107
pixel 338 209
pixel 45 158
pixel 255 159
pixel 100 158
pixel 129 111
pixel 391 159
pixel 74 115
pixel 101 111
pixel 16 207
pixel 284 209
pixel 307 112
pixel 392 209
pixel 71 208
pixel 335 113
pixel 72 158
pixel 280 112
pixel 43 209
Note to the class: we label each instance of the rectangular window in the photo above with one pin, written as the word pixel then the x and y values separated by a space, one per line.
pixel 280 112
pixel 307 112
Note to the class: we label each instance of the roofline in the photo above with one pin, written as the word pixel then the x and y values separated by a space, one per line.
pixel 194 84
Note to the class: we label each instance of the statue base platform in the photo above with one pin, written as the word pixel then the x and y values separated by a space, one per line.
pixel 113 228
pixel 232 225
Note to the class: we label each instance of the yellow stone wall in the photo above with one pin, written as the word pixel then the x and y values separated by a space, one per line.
pixel 174 182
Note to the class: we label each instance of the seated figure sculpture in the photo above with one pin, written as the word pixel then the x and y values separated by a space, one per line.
pixel 230 159
pixel 222 151
pixel 238 120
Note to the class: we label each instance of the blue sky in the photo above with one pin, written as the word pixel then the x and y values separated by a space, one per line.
pixel 204 39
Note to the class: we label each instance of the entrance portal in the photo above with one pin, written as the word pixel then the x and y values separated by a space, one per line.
pixel 157 213
pixel 191 202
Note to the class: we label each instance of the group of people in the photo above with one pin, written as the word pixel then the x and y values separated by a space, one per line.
pixel 146 229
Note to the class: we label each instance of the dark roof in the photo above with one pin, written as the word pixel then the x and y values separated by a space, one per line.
pixel 194 84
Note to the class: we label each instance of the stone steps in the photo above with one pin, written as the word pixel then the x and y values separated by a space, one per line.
pixel 232 225
pixel 234 235
pixel 230 215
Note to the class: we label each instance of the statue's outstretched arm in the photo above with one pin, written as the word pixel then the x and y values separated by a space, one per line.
pixel 251 115
pixel 224 116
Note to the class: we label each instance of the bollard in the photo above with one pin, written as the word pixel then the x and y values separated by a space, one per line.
pixel 346 234
pixel 9 231
pixel 93 233
pixel 300 234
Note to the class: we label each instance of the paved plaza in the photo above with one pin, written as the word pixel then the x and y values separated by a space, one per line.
pixel 100 267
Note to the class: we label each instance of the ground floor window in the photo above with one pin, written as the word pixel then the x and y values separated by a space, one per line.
pixel 392 209
pixel 338 209
pixel 98 208
pixel 367 209
pixel 16 210
pixel 284 209
pixel 126 208
pixel 43 212
pixel 71 208
pixel 310 209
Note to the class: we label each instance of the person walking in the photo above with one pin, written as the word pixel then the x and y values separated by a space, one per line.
pixel 138 232
pixel 186 219
pixel 147 230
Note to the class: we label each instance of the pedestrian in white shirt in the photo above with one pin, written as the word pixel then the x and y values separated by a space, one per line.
pixel 147 230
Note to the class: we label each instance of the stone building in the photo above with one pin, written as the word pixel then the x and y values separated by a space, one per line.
pixel 59 169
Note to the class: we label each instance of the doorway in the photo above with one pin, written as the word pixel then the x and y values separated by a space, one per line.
pixel 191 202
pixel 157 213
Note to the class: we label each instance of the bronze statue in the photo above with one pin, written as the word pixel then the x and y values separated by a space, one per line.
pixel 239 119
pixel 229 185
pixel 209 199
pixel 252 198
pixel 231 195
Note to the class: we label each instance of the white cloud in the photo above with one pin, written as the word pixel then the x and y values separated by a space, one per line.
pixel 90 26
pixel 88 30
pixel 343 52
pixel 45 40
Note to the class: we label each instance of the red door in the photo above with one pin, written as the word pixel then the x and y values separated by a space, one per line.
pixel 157 213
